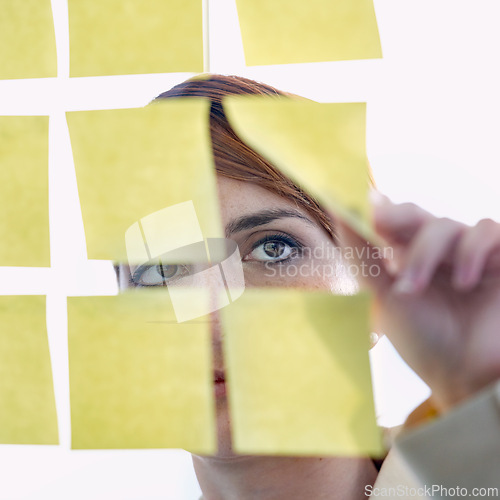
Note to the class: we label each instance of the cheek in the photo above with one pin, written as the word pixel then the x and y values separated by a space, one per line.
pixel 307 274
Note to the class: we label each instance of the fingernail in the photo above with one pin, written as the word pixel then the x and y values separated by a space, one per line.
pixel 373 338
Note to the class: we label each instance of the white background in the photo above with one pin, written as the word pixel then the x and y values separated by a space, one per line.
pixel 432 135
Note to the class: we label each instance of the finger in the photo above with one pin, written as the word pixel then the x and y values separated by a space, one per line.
pixel 398 223
pixel 473 251
pixel 431 247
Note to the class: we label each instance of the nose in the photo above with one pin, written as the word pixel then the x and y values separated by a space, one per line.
pixel 216 327
pixel 217 338
pixel 199 293
pixel 209 286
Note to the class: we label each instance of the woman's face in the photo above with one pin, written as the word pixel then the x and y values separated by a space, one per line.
pixel 280 244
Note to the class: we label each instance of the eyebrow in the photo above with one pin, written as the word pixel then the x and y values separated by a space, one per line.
pixel 260 218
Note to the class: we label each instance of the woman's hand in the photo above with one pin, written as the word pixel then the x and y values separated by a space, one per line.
pixel 438 300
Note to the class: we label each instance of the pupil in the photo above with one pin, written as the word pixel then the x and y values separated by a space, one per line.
pixel 166 271
pixel 274 248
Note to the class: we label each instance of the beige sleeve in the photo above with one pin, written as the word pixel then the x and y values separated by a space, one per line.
pixel 396 481
pixel 460 449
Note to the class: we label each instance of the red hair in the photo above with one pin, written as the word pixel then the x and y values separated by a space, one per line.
pixel 233 158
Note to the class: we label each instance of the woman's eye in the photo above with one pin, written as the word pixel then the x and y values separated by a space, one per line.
pixel 271 251
pixel 158 274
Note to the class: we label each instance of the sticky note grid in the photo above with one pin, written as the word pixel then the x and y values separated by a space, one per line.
pixel 296 363
pixel 125 37
pixel 138 378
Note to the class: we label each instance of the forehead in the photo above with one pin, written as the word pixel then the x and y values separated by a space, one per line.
pixel 238 198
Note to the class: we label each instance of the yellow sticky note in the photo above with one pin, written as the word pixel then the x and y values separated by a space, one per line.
pixel 24 203
pixel 145 166
pixel 27 404
pixel 294 31
pixel 121 37
pixel 27 39
pixel 319 146
pixel 298 374
pixel 139 379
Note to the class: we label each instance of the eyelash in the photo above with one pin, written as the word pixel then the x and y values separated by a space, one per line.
pixel 135 278
pixel 284 238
